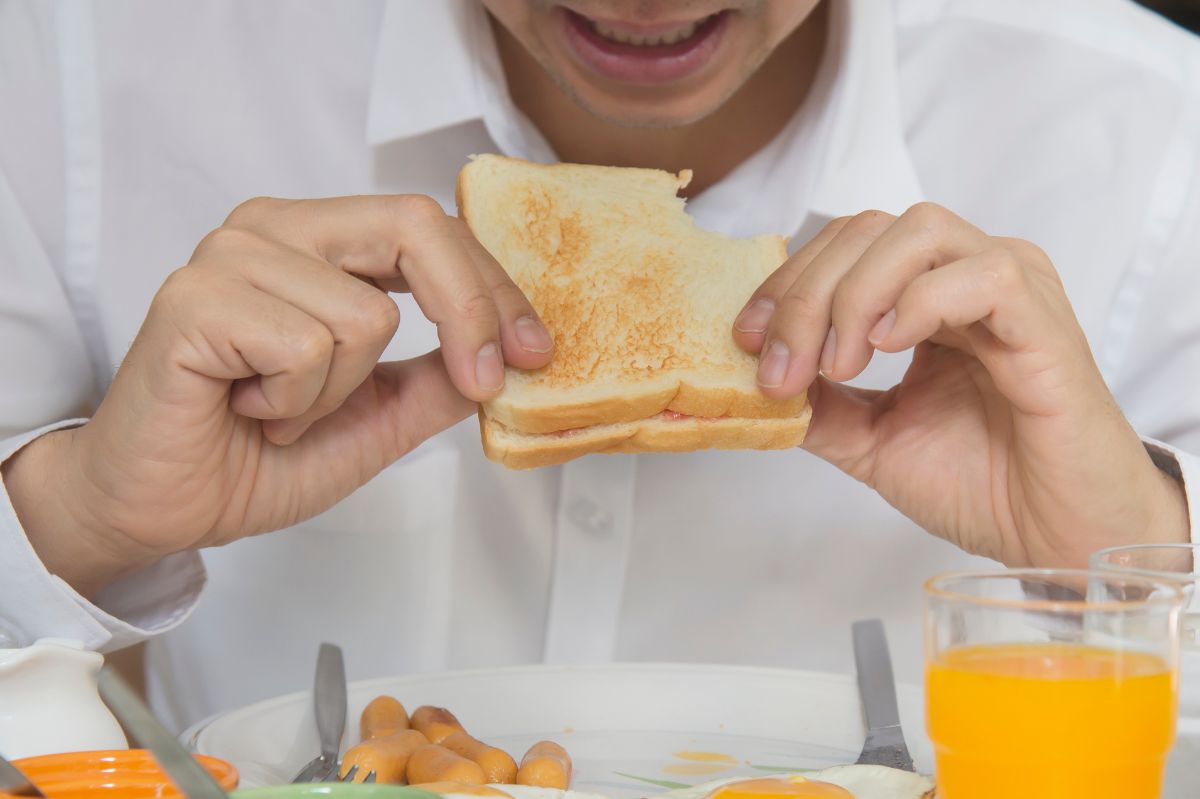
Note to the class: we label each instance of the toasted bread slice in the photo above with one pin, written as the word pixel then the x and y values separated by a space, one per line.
pixel 639 300
pixel 518 450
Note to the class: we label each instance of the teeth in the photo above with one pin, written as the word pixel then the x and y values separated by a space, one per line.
pixel 670 37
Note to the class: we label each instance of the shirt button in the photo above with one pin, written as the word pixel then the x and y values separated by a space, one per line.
pixel 589 517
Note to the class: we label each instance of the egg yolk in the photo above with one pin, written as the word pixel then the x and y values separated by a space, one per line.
pixel 787 788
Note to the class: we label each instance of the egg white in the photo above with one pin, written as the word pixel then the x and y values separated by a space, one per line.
pixel 864 782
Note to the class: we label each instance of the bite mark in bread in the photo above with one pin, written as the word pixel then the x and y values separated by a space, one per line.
pixel 640 303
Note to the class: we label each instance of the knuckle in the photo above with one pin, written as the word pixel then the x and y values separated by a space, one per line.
pixel 476 306
pixel 835 225
pixel 224 240
pixel 420 208
pixel 174 292
pixel 870 221
pixel 509 295
pixel 375 316
pixel 928 215
pixel 802 303
pixel 252 212
pixel 1028 253
pixel 1006 271
pixel 849 302
pixel 312 346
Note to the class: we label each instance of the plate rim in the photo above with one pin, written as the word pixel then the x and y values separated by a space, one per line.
pixel 192 735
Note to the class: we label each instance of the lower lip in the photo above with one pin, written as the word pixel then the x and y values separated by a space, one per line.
pixel 645 66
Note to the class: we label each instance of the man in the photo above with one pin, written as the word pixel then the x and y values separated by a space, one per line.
pixel 251 394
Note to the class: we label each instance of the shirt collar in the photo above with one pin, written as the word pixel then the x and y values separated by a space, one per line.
pixel 866 162
pixel 426 74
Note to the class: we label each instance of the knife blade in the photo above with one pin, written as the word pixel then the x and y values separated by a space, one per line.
pixel 884 745
pixel 12 781
pixel 188 775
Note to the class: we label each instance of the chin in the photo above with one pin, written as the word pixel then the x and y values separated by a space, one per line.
pixel 635 110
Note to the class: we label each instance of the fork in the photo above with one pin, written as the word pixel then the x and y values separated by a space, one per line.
pixel 353 771
pixel 13 782
pixel 329 708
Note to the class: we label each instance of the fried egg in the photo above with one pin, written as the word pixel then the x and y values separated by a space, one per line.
pixel 836 782
pixel 455 790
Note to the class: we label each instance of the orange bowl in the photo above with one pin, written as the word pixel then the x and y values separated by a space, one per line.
pixel 113 774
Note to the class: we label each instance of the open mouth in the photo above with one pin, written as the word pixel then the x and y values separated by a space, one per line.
pixel 644 54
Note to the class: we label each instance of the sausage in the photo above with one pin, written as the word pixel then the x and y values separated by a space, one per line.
pixel 433 763
pixel 435 722
pixel 387 756
pixel 382 716
pixel 443 788
pixel 498 766
pixel 546 765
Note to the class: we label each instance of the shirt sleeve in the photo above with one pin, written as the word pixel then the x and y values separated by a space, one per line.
pixel 36 604
pixel 1158 381
pixel 45 372
pixel 1185 468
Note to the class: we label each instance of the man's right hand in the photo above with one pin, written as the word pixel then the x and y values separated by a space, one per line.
pixel 253 397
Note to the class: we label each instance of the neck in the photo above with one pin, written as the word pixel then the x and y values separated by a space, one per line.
pixel 716 144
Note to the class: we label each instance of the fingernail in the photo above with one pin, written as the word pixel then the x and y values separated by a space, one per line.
pixel 773 366
pixel 754 319
pixel 829 351
pixel 489 367
pixel 882 328
pixel 532 336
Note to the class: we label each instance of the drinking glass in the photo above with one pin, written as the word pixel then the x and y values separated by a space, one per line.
pixel 1166 562
pixel 1050 683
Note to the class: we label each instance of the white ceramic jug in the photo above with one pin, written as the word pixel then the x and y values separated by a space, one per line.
pixel 49 702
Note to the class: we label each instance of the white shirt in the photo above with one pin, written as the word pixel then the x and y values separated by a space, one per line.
pixel 131 128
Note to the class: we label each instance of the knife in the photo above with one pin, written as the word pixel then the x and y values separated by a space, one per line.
pixel 188 775
pixel 13 782
pixel 877 688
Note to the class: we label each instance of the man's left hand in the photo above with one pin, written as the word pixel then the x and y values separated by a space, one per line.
pixel 1002 437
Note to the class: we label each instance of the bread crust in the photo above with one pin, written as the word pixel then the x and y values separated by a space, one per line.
pixel 521 451
pixel 640 303
pixel 684 398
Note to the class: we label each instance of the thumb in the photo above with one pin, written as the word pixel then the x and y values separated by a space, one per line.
pixel 419 400
pixel 842 430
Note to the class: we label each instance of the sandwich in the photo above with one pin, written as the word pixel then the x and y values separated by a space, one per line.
pixel 640 303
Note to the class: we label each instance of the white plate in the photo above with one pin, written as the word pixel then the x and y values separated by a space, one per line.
pixel 622 724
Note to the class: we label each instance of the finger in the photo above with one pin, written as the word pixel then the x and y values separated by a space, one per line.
pixel 277 355
pixel 405 403
pixel 923 238
pixel 407 237
pixel 842 430
pixel 799 339
pixel 991 288
pixel 523 336
pixel 751 324
pixel 361 318
pixel 420 400
pixel 1014 319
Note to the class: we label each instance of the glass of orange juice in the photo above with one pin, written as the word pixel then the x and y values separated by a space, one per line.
pixel 1051 683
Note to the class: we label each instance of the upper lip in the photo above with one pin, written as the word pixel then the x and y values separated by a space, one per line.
pixel 646 27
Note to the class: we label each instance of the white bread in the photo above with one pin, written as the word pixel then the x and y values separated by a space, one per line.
pixel 518 450
pixel 639 300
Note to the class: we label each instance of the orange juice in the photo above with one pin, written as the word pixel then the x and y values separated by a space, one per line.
pixel 1049 721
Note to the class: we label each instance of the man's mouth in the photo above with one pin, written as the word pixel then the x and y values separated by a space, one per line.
pixel 649 37
pixel 644 54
